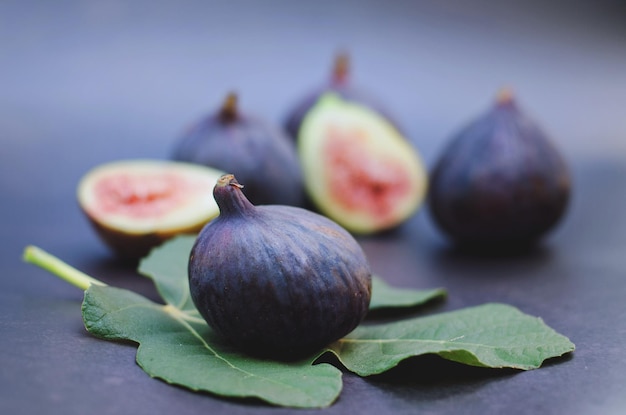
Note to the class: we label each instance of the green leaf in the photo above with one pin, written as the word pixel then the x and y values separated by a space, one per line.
pixel 490 335
pixel 385 296
pixel 166 266
pixel 179 348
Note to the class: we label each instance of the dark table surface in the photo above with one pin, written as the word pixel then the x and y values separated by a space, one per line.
pixel 84 83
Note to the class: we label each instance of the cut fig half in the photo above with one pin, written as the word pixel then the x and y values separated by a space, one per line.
pixel 358 168
pixel 135 205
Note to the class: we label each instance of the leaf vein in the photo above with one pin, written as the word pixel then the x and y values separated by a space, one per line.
pixel 442 342
pixel 246 373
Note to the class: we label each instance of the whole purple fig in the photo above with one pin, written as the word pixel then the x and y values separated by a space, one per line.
pixel 276 281
pixel 254 149
pixel 501 182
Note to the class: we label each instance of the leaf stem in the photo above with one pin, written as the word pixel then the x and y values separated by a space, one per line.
pixel 42 259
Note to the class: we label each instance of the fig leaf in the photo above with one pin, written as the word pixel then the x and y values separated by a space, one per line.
pixel 179 348
pixel 490 335
pixel 386 296
pixel 176 345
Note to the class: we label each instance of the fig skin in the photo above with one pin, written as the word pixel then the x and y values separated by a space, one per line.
pixel 257 151
pixel 131 246
pixel 339 83
pixel 500 184
pixel 277 281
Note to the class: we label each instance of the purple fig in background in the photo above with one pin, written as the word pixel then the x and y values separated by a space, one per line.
pixel 500 183
pixel 340 84
pixel 253 149
pixel 277 281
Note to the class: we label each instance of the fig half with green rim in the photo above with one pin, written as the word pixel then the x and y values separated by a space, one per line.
pixel 500 183
pixel 135 205
pixel 359 170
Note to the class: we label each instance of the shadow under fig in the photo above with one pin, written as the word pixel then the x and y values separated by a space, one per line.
pixel 450 255
pixel 432 371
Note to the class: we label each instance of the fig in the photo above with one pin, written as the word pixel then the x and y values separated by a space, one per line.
pixel 500 182
pixel 253 149
pixel 359 170
pixel 341 84
pixel 135 205
pixel 276 281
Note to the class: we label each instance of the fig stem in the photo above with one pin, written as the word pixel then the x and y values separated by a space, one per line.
pixel 229 107
pixel 505 96
pixel 229 196
pixel 341 69
pixel 43 259
pixel 228 179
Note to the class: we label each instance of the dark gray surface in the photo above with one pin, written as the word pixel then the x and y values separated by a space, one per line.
pixel 88 82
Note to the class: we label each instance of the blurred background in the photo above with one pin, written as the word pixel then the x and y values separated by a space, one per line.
pixel 119 79
pixel 143 70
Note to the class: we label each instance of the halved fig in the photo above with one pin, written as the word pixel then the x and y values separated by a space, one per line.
pixel 358 168
pixel 135 205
